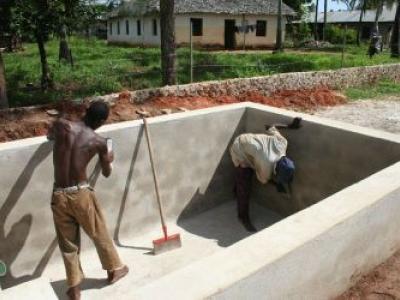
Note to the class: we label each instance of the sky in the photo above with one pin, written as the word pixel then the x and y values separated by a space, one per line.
pixel 332 5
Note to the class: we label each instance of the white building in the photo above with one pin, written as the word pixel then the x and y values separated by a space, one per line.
pixel 216 23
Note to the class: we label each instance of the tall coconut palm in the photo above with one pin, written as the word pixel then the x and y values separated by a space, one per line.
pixel 168 56
pixel 395 41
pixel 279 34
pixel 325 19
pixel 316 22
pixel 363 8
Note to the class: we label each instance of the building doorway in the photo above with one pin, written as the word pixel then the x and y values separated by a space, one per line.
pixel 230 36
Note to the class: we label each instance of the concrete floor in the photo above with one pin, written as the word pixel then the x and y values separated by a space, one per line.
pixel 202 235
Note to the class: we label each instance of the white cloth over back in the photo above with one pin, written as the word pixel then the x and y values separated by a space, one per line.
pixel 260 152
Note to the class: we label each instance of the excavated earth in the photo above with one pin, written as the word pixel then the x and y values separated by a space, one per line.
pixel 29 122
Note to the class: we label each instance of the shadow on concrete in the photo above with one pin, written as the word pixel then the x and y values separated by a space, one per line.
pixel 126 193
pixel 12 243
pixel 213 214
pixel 221 223
pixel 60 287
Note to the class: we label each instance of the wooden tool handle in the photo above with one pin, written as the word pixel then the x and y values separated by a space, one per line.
pixel 160 206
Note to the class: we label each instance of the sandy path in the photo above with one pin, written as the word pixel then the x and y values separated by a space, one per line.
pixel 383 114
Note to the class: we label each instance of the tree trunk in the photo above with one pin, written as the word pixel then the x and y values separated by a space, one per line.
pixel 279 43
pixel 377 15
pixel 395 41
pixel 64 52
pixel 359 28
pixel 3 92
pixel 325 19
pixel 316 22
pixel 168 56
pixel 47 81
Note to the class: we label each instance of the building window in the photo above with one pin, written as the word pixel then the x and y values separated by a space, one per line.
pixel 139 27
pixel 127 27
pixel 110 28
pixel 197 27
pixel 155 27
pixel 261 28
pixel 118 28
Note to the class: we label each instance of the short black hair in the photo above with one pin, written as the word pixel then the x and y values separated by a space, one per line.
pixel 97 112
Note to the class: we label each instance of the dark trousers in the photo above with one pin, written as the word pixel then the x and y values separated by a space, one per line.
pixel 243 180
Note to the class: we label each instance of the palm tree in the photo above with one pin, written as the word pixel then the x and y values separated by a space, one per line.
pixel 168 56
pixel 395 41
pixel 325 18
pixel 316 22
pixel 279 43
pixel 378 13
pixel 363 8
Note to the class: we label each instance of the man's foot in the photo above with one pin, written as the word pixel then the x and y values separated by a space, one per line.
pixel 247 225
pixel 74 293
pixel 114 276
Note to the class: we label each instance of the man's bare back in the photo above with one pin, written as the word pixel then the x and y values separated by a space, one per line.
pixel 75 144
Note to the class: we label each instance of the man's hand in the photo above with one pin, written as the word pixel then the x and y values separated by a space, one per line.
pixel 106 157
pixel 296 123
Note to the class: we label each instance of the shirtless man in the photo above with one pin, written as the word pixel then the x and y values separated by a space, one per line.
pixel 74 203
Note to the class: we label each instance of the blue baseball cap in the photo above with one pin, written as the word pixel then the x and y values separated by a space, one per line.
pixel 284 174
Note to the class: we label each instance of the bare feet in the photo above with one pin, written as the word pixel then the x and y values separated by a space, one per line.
pixel 248 225
pixel 114 276
pixel 74 293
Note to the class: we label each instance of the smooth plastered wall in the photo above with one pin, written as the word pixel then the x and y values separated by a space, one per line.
pixel 195 174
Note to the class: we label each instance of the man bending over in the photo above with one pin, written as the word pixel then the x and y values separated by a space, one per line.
pixel 74 203
pixel 264 154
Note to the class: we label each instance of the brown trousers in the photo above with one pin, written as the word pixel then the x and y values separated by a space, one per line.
pixel 242 189
pixel 72 210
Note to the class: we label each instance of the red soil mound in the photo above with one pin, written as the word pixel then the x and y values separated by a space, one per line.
pixel 24 123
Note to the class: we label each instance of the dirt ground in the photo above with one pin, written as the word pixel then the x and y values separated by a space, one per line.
pixel 24 123
pixel 378 113
pixel 383 283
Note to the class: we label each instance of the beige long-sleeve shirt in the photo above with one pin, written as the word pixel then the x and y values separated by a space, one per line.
pixel 260 152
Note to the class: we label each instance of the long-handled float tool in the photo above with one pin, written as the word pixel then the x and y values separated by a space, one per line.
pixel 167 242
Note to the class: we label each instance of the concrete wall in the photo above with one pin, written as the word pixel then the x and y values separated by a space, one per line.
pixel 327 160
pixel 213 30
pixel 316 253
pixel 313 253
pixel 190 155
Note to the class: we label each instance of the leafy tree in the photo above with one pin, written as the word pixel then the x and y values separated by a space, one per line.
pixel 168 55
pixel 10 32
pixel 3 92
pixel 41 18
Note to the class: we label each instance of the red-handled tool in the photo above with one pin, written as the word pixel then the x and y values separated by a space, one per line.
pixel 168 242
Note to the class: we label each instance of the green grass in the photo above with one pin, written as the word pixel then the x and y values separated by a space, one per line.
pixel 100 68
pixel 379 90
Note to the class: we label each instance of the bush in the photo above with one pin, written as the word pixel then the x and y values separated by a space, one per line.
pixel 301 33
pixel 334 34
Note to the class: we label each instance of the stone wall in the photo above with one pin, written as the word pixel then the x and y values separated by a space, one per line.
pixel 335 79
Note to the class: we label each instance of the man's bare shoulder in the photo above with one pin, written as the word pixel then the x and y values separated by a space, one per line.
pixel 59 127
